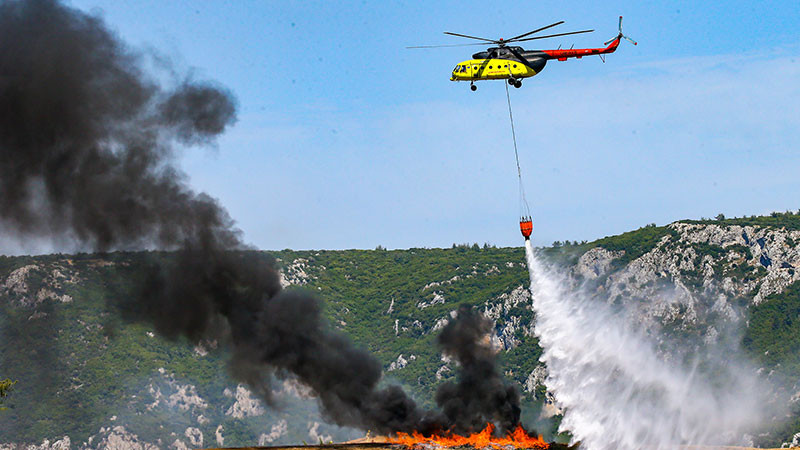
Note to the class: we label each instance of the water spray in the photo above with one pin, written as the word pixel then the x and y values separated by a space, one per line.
pixel 617 392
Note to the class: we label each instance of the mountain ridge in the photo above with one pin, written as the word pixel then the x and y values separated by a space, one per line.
pixel 65 336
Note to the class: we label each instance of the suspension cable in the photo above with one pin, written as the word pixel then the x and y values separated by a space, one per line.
pixel 524 208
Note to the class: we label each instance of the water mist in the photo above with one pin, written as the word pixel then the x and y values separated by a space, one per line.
pixel 616 391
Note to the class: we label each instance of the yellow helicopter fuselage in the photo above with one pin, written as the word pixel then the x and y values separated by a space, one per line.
pixel 490 69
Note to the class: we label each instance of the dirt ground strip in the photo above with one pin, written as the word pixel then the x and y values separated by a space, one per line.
pixel 383 445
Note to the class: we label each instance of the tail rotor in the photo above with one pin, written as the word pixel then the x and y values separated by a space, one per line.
pixel 620 35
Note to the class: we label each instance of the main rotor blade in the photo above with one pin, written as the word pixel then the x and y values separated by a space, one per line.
pixel 555 35
pixel 534 31
pixel 470 37
pixel 447 45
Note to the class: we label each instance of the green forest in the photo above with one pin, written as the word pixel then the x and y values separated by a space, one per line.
pixel 80 365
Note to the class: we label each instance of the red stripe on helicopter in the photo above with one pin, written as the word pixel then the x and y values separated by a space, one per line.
pixel 562 55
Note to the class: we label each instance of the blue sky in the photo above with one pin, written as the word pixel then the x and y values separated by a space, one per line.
pixel 346 139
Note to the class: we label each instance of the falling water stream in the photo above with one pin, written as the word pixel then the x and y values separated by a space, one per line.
pixel 615 390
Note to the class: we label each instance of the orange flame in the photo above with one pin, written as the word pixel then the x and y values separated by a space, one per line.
pixel 519 438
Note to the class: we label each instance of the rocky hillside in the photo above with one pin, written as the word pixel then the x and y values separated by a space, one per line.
pixel 92 377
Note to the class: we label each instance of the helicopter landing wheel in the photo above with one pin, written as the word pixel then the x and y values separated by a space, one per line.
pixel 473 87
pixel 511 81
pixel 518 84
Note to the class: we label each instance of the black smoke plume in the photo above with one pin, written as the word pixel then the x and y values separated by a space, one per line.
pixel 481 395
pixel 87 140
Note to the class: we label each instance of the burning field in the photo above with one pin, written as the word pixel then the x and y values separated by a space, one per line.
pixel 390 446
pixel 518 438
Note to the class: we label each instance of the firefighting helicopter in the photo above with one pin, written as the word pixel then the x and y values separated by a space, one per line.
pixel 513 63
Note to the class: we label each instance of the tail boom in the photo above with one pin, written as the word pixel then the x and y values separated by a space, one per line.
pixel 562 55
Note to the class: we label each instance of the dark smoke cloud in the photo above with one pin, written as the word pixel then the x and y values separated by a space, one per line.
pixel 86 146
pixel 481 395
pixel 197 113
pixel 86 137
